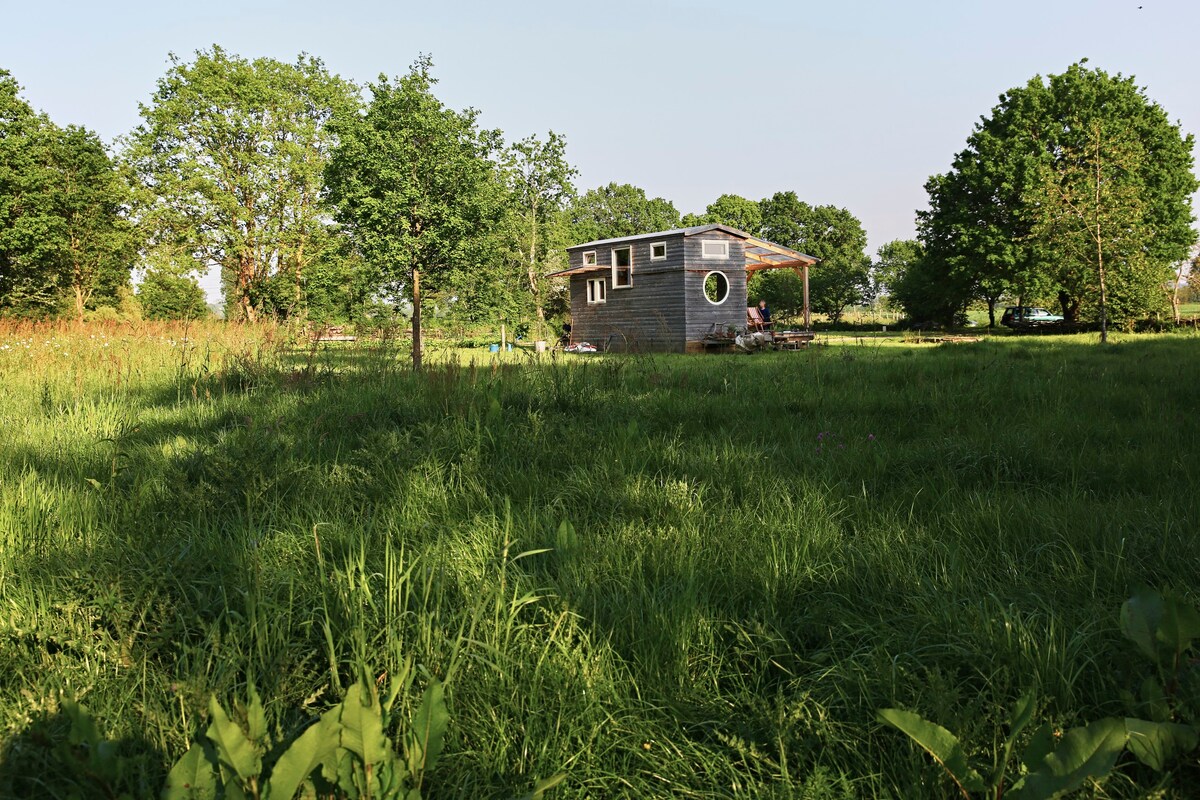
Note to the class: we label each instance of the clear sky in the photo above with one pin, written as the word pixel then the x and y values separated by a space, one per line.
pixel 848 103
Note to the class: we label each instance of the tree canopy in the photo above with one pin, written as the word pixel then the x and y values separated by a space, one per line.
pixel 229 159
pixel 1070 181
pixel 65 244
pixel 415 187
pixel 619 209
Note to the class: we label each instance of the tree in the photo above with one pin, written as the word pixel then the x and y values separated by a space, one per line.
pixel 619 210
pixel 539 181
pixel 99 245
pixel 732 210
pixel 229 158
pixel 167 295
pixel 414 187
pixel 831 234
pixel 893 260
pixel 1019 210
pixel 64 242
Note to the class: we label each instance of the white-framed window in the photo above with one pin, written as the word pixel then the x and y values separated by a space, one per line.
pixel 716 287
pixel 589 258
pixel 595 291
pixel 714 249
pixel 622 267
pixel 658 251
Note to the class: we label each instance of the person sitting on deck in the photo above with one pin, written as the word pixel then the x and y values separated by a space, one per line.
pixel 764 311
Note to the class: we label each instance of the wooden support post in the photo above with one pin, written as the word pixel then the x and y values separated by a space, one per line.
pixel 416 320
pixel 502 338
pixel 803 273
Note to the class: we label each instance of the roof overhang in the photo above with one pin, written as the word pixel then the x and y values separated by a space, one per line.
pixel 761 254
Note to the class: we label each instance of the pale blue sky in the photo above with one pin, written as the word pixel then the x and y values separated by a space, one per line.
pixel 852 103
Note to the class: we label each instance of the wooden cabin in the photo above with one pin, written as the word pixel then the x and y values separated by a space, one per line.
pixel 669 291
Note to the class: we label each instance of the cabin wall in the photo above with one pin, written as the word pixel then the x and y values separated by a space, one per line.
pixel 648 316
pixel 701 316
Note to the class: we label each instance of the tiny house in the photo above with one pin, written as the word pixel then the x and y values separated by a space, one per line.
pixel 669 291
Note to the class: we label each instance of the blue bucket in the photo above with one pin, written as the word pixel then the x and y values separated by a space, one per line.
pixel 493 348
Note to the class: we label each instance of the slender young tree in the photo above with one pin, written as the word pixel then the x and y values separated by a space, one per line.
pixel 540 181
pixel 414 186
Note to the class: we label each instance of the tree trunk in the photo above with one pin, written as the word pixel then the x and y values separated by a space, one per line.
pixel 416 320
pixel 991 301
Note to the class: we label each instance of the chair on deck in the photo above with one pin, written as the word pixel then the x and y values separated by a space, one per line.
pixel 754 320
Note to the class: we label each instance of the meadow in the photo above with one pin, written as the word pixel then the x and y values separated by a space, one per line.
pixel 657 576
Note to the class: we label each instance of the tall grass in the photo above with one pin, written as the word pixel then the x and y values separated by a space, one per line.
pixel 665 576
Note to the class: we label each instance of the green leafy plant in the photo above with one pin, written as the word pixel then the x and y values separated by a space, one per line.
pixel 346 752
pixel 1164 630
pixel 1051 765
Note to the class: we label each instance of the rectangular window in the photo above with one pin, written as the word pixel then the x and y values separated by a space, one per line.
pixel 622 267
pixel 714 249
pixel 589 258
pixel 595 291
pixel 658 251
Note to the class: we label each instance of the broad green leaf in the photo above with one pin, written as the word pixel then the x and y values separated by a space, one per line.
pixel 1180 625
pixel 428 730
pixel 194 777
pixel 256 719
pixel 1158 708
pixel 362 726
pixel 83 726
pixel 318 743
pixel 1140 618
pixel 1040 746
pixel 544 785
pixel 1022 714
pixel 939 743
pixel 1157 743
pixel 1083 753
pixel 233 748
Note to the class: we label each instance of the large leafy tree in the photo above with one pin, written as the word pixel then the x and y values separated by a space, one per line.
pixel 730 209
pixel 619 209
pixel 415 188
pixel 229 159
pixel 64 241
pixel 831 234
pixel 1061 172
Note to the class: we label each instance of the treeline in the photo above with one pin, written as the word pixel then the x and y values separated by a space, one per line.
pixel 315 199
pixel 310 200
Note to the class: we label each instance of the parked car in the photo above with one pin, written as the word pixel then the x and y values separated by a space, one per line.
pixel 1028 317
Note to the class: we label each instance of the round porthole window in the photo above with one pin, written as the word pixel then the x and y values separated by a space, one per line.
pixel 716 287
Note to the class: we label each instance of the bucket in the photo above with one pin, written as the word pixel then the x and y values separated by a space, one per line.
pixel 493 348
pixel 539 347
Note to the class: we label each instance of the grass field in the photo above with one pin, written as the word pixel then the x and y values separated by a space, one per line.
pixel 661 576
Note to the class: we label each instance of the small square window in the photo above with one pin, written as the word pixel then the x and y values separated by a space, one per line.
pixel 589 258
pixel 595 291
pixel 658 251
pixel 710 249
pixel 622 267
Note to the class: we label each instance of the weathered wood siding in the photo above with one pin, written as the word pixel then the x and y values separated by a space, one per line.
pixel 647 317
pixel 702 316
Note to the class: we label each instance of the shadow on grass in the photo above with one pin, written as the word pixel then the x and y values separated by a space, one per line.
pixel 768 548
